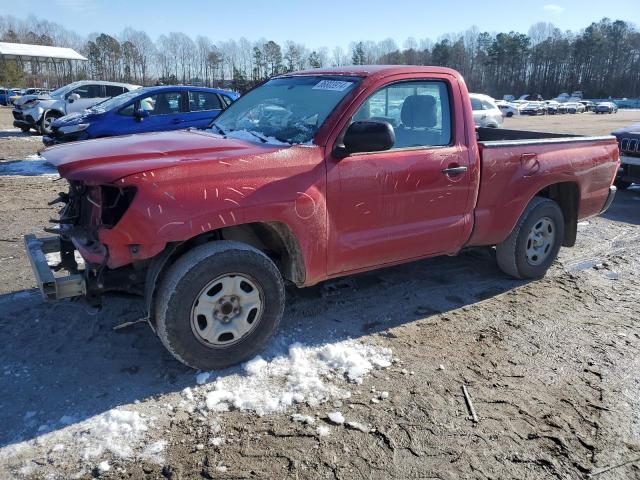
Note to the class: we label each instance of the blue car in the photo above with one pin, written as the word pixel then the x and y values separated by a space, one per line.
pixel 149 109
pixel 5 94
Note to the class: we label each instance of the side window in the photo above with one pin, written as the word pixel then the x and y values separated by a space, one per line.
pixel 114 91
pixel 476 104
pixel 128 110
pixel 487 106
pixel 88 91
pixel 199 101
pixel 162 103
pixel 227 100
pixel 417 110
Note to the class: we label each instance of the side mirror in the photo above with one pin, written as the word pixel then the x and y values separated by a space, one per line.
pixel 141 114
pixel 366 136
pixel 73 97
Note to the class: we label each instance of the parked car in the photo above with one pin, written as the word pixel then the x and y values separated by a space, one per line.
pixel 534 108
pixel 5 94
pixel 485 112
pixel 304 179
pixel 589 106
pixel 571 107
pixel 629 144
pixel 39 111
pixel 150 109
pixel 606 107
pixel 551 107
pixel 507 109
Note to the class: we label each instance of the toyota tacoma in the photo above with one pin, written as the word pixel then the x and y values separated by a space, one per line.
pixel 309 176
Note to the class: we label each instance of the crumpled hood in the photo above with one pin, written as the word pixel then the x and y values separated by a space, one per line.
pixel 106 160
pixel 27 98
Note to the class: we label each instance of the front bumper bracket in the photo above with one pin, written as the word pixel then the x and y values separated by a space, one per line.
pixel 51 287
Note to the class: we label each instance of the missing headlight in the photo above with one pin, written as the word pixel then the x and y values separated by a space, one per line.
pixel 115 202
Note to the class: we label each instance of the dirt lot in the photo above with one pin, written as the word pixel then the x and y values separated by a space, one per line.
pixel 552 366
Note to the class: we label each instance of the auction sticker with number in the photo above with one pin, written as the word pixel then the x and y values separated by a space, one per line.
pixel 335 85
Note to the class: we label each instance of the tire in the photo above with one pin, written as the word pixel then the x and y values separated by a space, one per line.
pixel 512 254
pixel 187 280
pixel 509 114
pixel 44 126
pixel 25 129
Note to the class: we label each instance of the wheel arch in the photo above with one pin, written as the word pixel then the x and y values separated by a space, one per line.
pixel 274 239
pixel 567 196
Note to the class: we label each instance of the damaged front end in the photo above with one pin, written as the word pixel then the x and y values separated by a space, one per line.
pixel 73 262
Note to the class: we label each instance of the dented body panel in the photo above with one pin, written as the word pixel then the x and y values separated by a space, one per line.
pixel 338 216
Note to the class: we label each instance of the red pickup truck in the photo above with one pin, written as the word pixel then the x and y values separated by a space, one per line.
pixel 310 176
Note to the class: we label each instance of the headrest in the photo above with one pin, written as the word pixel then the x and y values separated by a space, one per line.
pixel 419 111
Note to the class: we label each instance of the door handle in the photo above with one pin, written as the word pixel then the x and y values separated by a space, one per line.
pixel 176 120
pixel 454 170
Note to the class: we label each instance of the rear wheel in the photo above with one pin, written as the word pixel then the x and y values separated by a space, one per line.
pixel 219 304
pixel 533 245
pixel 45 122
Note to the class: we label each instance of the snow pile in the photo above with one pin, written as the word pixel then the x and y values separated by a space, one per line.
pixel 115 431
pixel 153 452
pixel 305 374
pixel 336 418
pixel 33 165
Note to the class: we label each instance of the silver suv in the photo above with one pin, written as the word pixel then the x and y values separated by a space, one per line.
pixel 39 111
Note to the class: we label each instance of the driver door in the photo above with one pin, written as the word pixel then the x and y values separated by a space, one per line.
pixel 391 206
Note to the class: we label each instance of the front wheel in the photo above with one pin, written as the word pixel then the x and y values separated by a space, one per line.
pixel 25 129
pixel 45 123
pixel 535 241
pixel 219 304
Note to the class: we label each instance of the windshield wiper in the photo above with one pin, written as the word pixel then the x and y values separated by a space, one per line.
pixel 261 137
pixel 219 128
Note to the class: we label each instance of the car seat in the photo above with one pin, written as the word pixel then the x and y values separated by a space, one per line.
pixel 161 106
pixel 419 115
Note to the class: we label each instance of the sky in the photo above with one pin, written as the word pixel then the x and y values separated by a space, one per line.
pixel 324 23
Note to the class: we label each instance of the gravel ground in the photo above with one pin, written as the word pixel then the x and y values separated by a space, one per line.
pixel 551 367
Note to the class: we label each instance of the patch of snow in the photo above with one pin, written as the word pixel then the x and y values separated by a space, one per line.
pixel 33 165
pixel 336 418
pixel 216 441
pixel 305 374
pixel 115 431
pixel 359 426
pixel 253 367
pixel 202 377
pixel 153 452
pixel 323 431
pixel 103 467
pixel 187 393
pixel 308 419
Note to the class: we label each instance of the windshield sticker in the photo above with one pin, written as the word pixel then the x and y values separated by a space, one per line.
pixel 334 85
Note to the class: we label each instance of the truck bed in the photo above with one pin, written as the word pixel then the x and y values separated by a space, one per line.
pixel 516 165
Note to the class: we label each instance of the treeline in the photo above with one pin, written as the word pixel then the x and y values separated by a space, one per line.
pixel 602 60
